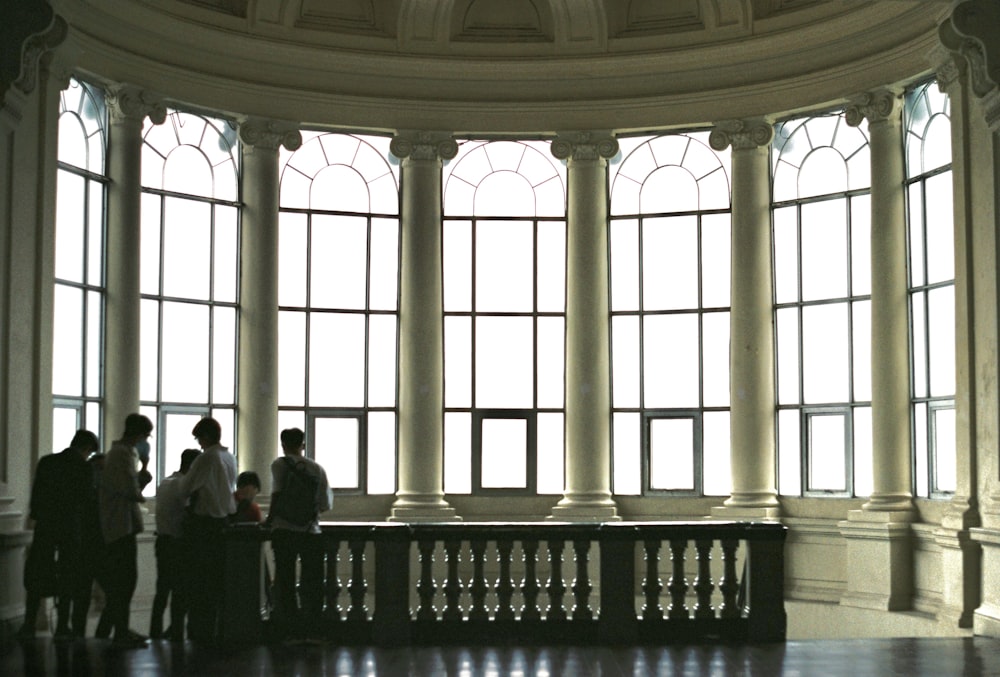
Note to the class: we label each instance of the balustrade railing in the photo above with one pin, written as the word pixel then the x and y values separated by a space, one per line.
pixel 538 582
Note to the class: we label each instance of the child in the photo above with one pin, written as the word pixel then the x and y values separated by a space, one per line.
pixel 247 488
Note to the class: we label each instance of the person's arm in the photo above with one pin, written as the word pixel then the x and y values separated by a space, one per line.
pixel 324 496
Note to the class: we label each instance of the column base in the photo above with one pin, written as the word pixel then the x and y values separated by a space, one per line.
pixel 986 620
pixel 960 574
pixel 422 509
pixel 585 508
pixel 879 560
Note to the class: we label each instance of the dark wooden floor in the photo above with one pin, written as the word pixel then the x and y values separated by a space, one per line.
pixel 827 658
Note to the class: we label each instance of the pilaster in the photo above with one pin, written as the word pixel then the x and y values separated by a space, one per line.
pixel 587 495
pixel 258 330
pixel 420 468
pixel 751 323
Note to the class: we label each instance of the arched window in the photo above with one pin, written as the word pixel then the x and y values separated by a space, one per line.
pixel 505 307
pixel 339 306
pixel 822 290
pixel 78 303
pixel 670 268
pixel 189 280
pixel 932 288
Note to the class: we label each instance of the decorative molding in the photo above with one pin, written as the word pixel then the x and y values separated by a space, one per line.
pixel 423 145
pixel 741 134
pixel 128 102
pixel 883 105
pixel 584 145
pixel 948 69
pixel 269 134
pixel 37 46
pixel 970 33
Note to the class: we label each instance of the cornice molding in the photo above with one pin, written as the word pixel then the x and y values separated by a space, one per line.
pixel 420 145
pixel 970 33
pixel 269 134
pixel 129 103
pixel 584 146
pixel 741 134
pixel 883 105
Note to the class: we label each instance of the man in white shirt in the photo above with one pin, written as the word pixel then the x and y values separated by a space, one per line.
pixel 296 535
pixel 209 486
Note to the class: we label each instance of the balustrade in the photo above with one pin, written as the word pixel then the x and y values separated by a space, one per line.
pixel 392 583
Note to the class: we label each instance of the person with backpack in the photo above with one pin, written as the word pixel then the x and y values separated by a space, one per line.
pixel 299 493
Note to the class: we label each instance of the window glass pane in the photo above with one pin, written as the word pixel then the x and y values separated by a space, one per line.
pixel 551 341
pixel 825 353
pixel 716 359
pixel 504 266
pixel 670 361
pixel 292 258
pixel 550 453
pixel 95 343
pixel 187 170
pixel 64 426
pixel 338 253
pixel 824 171
pixel 921 448
pixel 824 250
pixel 149 319
pixel 504 193
pixel 915 215
pixel 185 352
pixel 335 447
pixel 551 266
pixel 504 362
pixel 627 469
pixel 337 360
pixel 671 454
pixel 786 255
pixel 827 460
pixel 670 263
pixel 70 227
pixel 717 471
pixel 224 355
pixel 504 453
pixel 941 324
pixel 458 361
pixel 937 145
pixel 382 361
pixel 291 359
pixel 457 452
pixel 95 235
pixel 918 343
pixel 381 452
pixel 862 326
pixel 384 264
pixel 669 189
pixel 187 249
pixel 715 243
pixel 73 149
pixel 861 245
pixel 457 254
pixel 624 245
pixel 788 355
pixel 150 244
pixel 174 436
pixel 863 468
pixel 945 472
pixel 67 341
pixel 625 360
pixel 339 188
pixel 227 253
pixel 940 231
pixel 789 453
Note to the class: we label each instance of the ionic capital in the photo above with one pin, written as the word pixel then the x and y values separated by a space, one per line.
pixel 269 134
pixel 418 145
pixel 129 103
pixel 883 105
pixel 584 146
pixel 741 134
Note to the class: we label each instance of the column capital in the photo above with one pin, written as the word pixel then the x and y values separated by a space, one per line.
pixel 948 69
pixel 969 32
pixel 269 134
pixel 422 145
pixel 881 105
pixel 128 102
pixel 37 30
pixel 741 134
pixel 584 145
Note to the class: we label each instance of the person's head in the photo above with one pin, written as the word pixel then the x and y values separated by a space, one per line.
pixel 137 427
pixel 248 484
pixel 207 431
pixel 292 440
pixel 84 442
pixel 187 458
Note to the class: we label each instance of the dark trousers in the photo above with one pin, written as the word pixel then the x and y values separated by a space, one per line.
pixel 120 576
pixel 204 574
pixel 297 614
pixel 53 569
pixel 170 562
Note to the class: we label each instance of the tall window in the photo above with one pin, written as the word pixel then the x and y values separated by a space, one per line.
pixel 338 298
pixel 670 266
pixel 78 308
pixel 822 291
pixel 189 280
pixel 504 325
pixel 932 287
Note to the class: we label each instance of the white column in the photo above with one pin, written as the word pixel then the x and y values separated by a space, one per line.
pixel 420 494
pixel 879 549
pixel 127 108
pixel 587 495
pixel 751 322
pixel 258 365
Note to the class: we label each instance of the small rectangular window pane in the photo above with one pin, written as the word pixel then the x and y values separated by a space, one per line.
pixel 504 362
pixel 789 449
pixel 150 243
pixel 504 453
pixel 670 361
pixel 862 358
pixel 457 453
pixel 384 264
pixel 918 345
pixel 65 422
pixel 940 231
pixel 95 235
pixel 551 266
pixel 70 227
pixel 224 355
pixel 551 339
pixel 941 323
pixel 825 350
pixel 715 267
pixel 788 355
pixel 716 359
pixel 671 454
pixel 670 263
pixel 335 447
pixel 95 347
pixel 921 449
pixel 338 255
pixel 457 253
pixel 174 438
pixel 381 452
pixel 458 361
pixel 863 468
pixel 227 422
pixel 945 471
pixel 717 477
pixel 827 460
pixel 786 255
pixel 915 214
pixel 550 453
pixel 624 265
pixel 625 360
pixel 824 250
pixel 187 249
pixel 227 253
pixel 504 266
pixel 67 341
pixel 292 258
pixel 861 245
pixel 337 360
pixel 382 361
pixel 291 359
pixel 185 352
pixel 627 468
pixel 149 332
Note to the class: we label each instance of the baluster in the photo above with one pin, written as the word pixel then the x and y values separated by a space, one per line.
pixel 505 586
pixel 530 587
pixel 357 587
pixel 582 586
pixel 651 586
pixel 452 586
pixel 703 583
pixel 678 585
pixel 556 587
pixel 426 587
pixel 333 586
pixel 729 584
pixel 478 586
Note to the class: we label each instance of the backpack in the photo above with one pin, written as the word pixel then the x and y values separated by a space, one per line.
pixel 296 502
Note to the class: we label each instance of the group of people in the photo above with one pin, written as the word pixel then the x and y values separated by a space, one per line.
pixel 86 513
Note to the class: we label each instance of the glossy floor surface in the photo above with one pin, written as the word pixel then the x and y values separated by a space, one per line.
pixel 828 658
